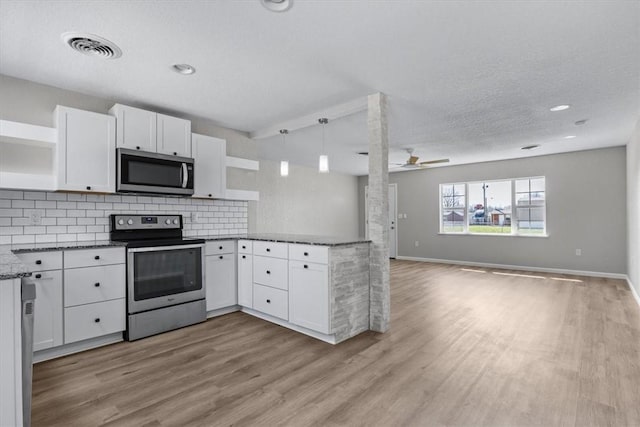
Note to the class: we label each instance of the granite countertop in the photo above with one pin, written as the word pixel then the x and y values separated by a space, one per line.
pixel 292 238
pixel 12 268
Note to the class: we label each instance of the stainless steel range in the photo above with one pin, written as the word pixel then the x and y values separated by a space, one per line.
pixel 165 274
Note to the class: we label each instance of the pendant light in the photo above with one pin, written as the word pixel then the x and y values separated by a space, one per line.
pixel 284 164
pixel 323 161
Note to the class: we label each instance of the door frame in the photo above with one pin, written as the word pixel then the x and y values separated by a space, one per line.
pixel 366 215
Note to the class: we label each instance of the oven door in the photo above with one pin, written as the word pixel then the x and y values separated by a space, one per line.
pixel 143 172
pixel 164 276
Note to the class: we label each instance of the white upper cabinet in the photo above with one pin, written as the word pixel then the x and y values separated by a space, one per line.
pixel 86 150
pixel 210 168
pixel 135 128
pixel 144 130
pixel 173 136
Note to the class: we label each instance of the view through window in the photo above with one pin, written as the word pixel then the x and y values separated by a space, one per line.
pixel 487 207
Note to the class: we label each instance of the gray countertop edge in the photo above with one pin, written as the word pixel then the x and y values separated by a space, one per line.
pixel 12 268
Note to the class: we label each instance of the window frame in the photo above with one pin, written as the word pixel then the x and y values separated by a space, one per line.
pixel 515 231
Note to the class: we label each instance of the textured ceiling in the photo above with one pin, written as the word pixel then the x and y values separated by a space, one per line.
pixel 471 81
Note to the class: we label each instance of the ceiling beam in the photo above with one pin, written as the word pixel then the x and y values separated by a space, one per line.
pixel 331 113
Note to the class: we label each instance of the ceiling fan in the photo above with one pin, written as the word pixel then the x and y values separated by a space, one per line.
pixel 412 161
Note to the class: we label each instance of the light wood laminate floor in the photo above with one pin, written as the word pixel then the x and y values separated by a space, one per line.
pixel 465 348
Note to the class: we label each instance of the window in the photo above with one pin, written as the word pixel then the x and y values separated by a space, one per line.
pixel 502 207
pixel 453 204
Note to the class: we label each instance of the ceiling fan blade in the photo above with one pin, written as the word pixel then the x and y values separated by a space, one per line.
pixel 432 162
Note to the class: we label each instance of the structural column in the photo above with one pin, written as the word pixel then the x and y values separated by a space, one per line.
pixel 378 213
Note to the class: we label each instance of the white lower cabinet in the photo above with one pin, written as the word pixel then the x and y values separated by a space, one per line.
pixel 220 277
pixel 309 296
pixel 47 320
pixel 48 313
pixel 245 280
pixel 94 293
pixel 93 320
pixel 271 301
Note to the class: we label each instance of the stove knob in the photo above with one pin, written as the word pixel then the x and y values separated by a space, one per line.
pixel 130 221
pixel 121 221
pixel 168 222
pixel 175 221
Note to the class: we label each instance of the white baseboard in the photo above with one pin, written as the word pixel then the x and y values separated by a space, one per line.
pixel 518 267
pixel 76 347
pixel 331 339
pixel 222 311
pixel 633 290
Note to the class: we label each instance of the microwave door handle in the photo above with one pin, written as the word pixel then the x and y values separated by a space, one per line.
pixel 185 175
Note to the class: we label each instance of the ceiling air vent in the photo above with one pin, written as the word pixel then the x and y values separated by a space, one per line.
pixel 90 44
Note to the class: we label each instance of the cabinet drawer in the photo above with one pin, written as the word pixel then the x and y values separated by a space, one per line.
pixel 94 284
pixel 309 253
pixel 273 249
pixel 93 320
pixel 93 257
pixel 274 302
pixel 245 246
pixel 220 247
pixel 270 271
pixel 41 261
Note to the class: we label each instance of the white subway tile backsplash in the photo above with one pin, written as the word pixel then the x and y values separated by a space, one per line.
pixel 74 216
pixel 66 221
pixel 57 196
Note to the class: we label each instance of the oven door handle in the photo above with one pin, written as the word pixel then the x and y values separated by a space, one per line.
pixel 185 175
pixel 164 248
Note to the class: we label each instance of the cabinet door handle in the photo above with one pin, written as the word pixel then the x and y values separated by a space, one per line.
pixel 38 276
pixel 97 320
pixel 96 257
pixel 244 247
pixel 97 284
pixel 244 257
pixel 268 272
pixel 221 257
pixel 306 266
pixel 220 247
pixel 88 187
pixel 306 254
pixel 38 262
pixel 268 250
pixel 175 154
pixel 210 195
pixel 137 147
pixel 268 301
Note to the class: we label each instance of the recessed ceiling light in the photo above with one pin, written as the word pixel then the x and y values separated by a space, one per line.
pixel 277 5
pixel 185 69
pixel 530 147
pixel 569 136
pixel 581 122
pixel 560 108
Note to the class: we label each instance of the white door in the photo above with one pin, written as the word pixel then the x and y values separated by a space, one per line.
pixel 245 280
pixel 210 155
pixel 86 151
pixel 309 295
pixel 173 136
pixel 135 128
pixel 393 218
pixel 47 321
pixel 220 277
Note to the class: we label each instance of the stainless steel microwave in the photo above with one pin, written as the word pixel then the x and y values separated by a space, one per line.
pixel 144 172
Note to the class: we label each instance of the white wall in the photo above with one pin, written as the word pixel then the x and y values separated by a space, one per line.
pixel 306 201
pixel 586 209
pixel 633 208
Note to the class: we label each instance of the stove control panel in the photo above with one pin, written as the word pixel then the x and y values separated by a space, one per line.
pixel 146 222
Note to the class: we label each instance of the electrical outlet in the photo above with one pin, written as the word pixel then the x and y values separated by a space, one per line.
pixel 578 252
pixel 195 216
pixel 417 243
pixel 35 218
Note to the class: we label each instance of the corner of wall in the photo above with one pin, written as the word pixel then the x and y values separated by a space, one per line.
pixel 633 211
